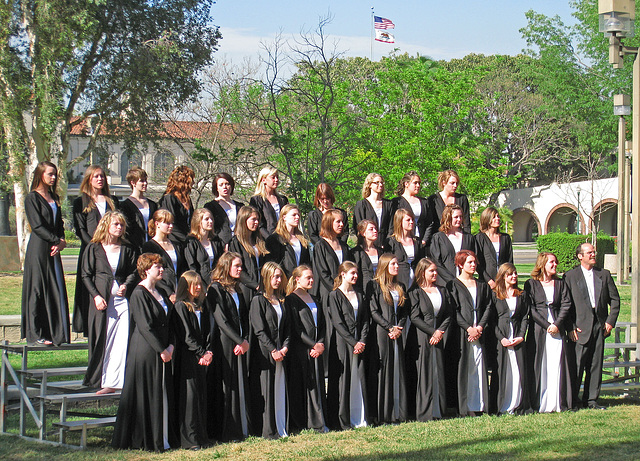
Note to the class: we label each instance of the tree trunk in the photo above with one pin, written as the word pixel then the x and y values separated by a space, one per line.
pixel 5 228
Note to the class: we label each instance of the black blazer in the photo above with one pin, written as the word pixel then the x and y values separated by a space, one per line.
pixel 181 216
pixel 169 282
pixel 437 207
pixel 197 257
pixel 364 210
pixel 383 313
pixel 351 329
pixel 425 223
pixel 314 222
pixel 250 275
pixel 221 225
pixel 487 263
pixel 285 255
pixel 325 267
pixel 268 218
pixel 85 224
pixel 365 266
pixel 560 307
pixel 607 300
pixel 96 272
pixel 463 303
pixel 264 325
pixel 304 333
pixel 40 217
pixel 137 232
pixel 444 255
pixel 504 320
pixel 422 313
pixel 234 328
pixel 404 269
pixel 192 338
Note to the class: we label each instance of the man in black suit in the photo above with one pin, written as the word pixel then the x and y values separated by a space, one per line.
pixel 596 303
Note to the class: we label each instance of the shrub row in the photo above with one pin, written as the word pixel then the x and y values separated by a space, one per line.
pixel 564 245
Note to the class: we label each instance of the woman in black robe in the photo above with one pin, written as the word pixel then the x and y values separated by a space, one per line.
pixel 323 202
pixel 448 183
pixel 347 401
pixel 366 253
pixel 431 312
pixel 231 314
pixel 550 374
pixel 270 325
pixel 408 199
pixel 177 200
pixel 374 207
pixel 145 416
pixel 250 245
pixel 305 373
pixel 473 301
pixel 45 308
pixel 268 201
pixel 407 248
pixel 223 207
pixel 88 209
pixel 450 239
pixel 109 274
pixel 512 311
pixel 193 354
pixel 172 253
pixel 494 247
pixel 138 209
pixel 203 248
pixel 287 246
pixel 388 306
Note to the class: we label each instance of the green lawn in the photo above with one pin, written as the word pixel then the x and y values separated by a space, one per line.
pixel 70 252
pixel 11 289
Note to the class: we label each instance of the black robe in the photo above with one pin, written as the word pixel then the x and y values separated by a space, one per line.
pixel 181 216
pixel 267 336
pixel 561 313
pixel 197 257
pixel 325 267
pixel 285 255
pixel 444 255
pixel 348 330
pixel 425 223
pixel 137 232
pixel 364 210
pixel 381 353
pixel 97 278
pixel 233 326
pixel 85 224
pixel 221 224
pixel 45 307
pixel 504 322
pixel 365 266
pixel 250 275
pixel 404 268
pixel 314 223
pixel 139 423
pixel 487 263
pixel 463 303
pixel 437 207
pixel 305 375
pixel 428 360
pixel 193 340
pixel 170 277
pixel 268 218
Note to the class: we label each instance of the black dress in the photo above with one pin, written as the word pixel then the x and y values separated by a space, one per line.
pixel 348 329
pixel 444 255
pixel 137 232
pixel 487 263
pixel 170 277
pixel 305 375
pixel 85 224
pixel 146 402
pixel 98 279
pixel 437 207
pixel 232 322
pixel 193 339
pixel 540 312
pixel 512 326
pixel 386 383
pixel 405 268
pixel 424 223
pixel 325 267
pixel 314 223
pixel 181 216
pixel 197 258
pixel 268 334
pixel 268 217
pixel 251 265
pixel 430 389
pixel 473 391
pixel 285 255
pixel 221 223
pixel 364 210
pixel 366 271
pixel 45 308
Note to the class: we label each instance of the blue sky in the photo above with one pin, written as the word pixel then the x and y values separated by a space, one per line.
pixel 439 29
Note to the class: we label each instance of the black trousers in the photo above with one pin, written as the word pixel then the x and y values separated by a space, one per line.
pixel 589 357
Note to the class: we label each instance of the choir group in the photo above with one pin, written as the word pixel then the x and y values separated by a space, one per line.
pixel 228 320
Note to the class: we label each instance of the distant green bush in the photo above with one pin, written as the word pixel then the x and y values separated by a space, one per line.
pixel 72 240
pixel 564 245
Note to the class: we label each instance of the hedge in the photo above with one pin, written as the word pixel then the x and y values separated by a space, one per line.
pixel 564 245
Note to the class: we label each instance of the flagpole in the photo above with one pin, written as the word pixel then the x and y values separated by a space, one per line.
pixel 371 55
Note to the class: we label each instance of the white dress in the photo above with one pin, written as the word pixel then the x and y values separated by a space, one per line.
pixel 475 382
pixel 551 365
pixel 115 349
pixel 356 398
pixel 241 394
pixel 513 389
pixel 436 302
pixel 280 388
pixel 417 211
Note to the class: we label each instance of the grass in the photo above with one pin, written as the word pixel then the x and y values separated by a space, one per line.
pixel 70 252
pixel 11 289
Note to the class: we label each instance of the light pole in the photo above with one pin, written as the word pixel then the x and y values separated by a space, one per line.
pixel 627 210
pixel 579 189
pixel 621 107
pixel 617 21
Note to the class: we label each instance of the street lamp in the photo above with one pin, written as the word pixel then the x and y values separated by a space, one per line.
pixel 579 189
pixel 621 107
pixel 616 21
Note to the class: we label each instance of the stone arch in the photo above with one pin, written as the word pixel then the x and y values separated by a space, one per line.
pixel 563 218
pixel 129 159
pixel 605 216
pixel 526 225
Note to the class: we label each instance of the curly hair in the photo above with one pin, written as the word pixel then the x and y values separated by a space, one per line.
pixel 180 182
pixel 102 231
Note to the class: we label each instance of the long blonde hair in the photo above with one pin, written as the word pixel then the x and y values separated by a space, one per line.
pixel 102 231
pixel 505 270
pixel 538 271
pixel 366 187
pixel 281 227
pixel 196 221
pixel 85 188
pixel 268 270
pixel 247 238
pixel 260 189
pixel 186 281
pixel 387 281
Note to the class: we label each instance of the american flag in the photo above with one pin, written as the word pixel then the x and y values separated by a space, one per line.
pixel 382 23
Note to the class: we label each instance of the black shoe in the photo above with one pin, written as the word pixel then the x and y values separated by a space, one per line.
pixel 595 406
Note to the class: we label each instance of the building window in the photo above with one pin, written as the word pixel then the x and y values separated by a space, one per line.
pixel 129 159
pixel 100 156
pixel 163 165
